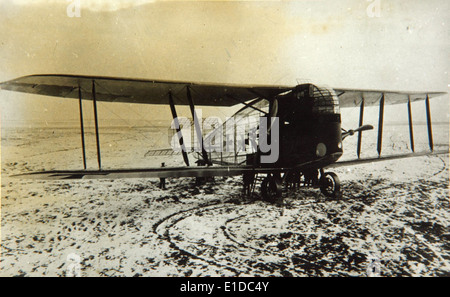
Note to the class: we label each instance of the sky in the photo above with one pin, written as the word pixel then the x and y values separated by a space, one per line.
pixel 363 44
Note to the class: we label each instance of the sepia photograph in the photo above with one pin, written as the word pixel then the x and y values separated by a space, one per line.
pixel 249 139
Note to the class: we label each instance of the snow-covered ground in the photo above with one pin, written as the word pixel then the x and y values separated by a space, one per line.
pixel 392 214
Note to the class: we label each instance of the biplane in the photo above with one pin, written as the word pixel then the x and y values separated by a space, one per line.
pixel 305 119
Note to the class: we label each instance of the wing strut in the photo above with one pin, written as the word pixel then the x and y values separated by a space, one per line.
pixel 411 132
pixel 83 145
pixel 198 129
pixel 94 100
pixel 178 128
pixel 361 115
pixel 380 125
pixel 247 105
pixel 430 132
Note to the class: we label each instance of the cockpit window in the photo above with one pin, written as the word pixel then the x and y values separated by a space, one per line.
pixel 325 100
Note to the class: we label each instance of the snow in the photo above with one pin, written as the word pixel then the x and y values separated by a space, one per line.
pixel 394 211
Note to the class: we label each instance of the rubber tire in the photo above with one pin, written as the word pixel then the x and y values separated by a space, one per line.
pixel 271 189
pixel 330 179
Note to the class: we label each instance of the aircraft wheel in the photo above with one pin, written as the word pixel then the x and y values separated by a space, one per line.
pixel 271 189
pixel 330 185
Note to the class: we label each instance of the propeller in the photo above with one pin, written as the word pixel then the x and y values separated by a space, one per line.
pixel 273 113
pixel 352 132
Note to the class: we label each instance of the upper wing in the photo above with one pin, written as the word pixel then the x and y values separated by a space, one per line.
pixel 353 97
pixel 114 89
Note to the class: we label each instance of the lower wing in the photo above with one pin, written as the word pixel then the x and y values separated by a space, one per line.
pixel 385 158
pixel 203 171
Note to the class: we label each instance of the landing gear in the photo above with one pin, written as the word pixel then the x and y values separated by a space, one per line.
pixel 330 185
pixel 249 181
pixel 271 188
pixel 272 184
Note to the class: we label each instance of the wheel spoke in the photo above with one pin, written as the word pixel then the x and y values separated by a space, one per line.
pixel 330 185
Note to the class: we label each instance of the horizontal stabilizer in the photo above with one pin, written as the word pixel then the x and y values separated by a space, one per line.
pixel 161 152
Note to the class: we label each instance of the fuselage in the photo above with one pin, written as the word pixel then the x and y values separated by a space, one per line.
pixel 309 126
pixel 309 130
